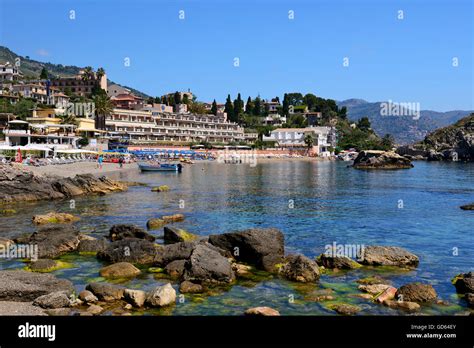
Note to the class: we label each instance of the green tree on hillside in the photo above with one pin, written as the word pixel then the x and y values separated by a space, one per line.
pixel 249 106
pixel 257 107
pixel 44 74
pixel 238 109
pixel 286 106
pixel 229 107
pixel 364 124
pixel 214 108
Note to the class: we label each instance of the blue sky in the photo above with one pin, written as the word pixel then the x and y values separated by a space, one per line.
pixel 408 60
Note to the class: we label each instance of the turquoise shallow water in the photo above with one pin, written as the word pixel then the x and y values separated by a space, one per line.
pixel 313 203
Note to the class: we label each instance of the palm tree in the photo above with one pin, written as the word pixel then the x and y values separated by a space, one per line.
pixel 309 140
pixel 103 108
pixel 100 72
pixel 87 73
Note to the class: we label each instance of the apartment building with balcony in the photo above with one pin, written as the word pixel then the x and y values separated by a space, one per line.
pixel 147 126
pixel 80 85
pixel 9 73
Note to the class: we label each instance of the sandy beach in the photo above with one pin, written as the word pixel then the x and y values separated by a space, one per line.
pixel 72 169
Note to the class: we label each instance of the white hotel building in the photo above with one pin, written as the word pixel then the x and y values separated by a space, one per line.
pixel 293 138
pixel 150 125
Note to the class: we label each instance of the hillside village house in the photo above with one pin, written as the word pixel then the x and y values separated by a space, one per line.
pixel 41 94
pixel 9 73
pixel 114 90
pixel 79 85
pixel 293 138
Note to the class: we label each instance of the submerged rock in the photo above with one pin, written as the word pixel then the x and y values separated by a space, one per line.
pixel 388 256
pixel 120 270
pixel 22 185
pixel 263 247
pixel 58 299
pixel 161 296
pixel 54 218
pixel 133 250
pixel 403 305
pixel 468 206
pixel 262 311
pixel 177 235
pixel 464 283
pixel 26 286
pixel 299 268
pixel 173 218
pixel 106 292
pixel 122 231
pixel 416 292
pixel 207 265
pixel 162 188
pixel 339 262
pixel 95 309
pixel 155 223
pixel 190 287
pixel 374 159
pixel 345 309
pixel 373 289
pixel 43 265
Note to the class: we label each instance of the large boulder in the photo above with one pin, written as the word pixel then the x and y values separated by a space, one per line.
pixel 106 292
pixel 155 223
pixel 43 265
pixel 135 297
pixel 133 250
pixel 8 308
pixel 177 235
pixel 120 270
pixel 208 266
pixel 55 240
pixel 262 247
pixel 416 292
pixel 26 286
pixel 118 232
pixel 299 268
pixel 172 252
pixel 176 268
pixel 58 299
pixel 161 296
pixel 339 262
pixel 92 245
pixel 374 159
pixel 173 218
pixel 388 256
pixel 190 287
pixel 464 283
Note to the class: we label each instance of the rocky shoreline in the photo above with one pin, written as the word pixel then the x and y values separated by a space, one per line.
pixel 18 185
pixel 197 265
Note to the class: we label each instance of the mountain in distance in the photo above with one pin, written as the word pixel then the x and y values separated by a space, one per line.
pixel 405 129
pixel 32 68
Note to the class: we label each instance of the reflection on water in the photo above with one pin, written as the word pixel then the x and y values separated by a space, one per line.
pixel 313 203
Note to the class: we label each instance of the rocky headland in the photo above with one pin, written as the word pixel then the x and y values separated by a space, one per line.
pixel 17 185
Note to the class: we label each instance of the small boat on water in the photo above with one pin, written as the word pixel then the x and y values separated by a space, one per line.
pixel 160 167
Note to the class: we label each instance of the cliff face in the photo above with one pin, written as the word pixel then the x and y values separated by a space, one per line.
pixel 455 142
pixel 17 184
